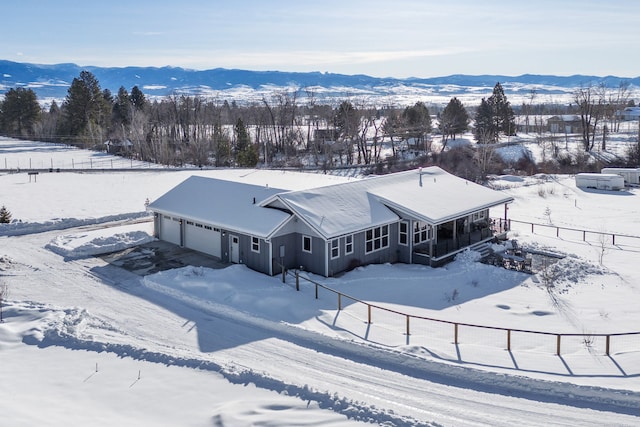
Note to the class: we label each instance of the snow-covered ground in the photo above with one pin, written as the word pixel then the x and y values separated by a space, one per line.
pixel 87 343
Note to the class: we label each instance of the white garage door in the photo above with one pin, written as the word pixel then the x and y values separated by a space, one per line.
pixel 170 229
pixel 203 238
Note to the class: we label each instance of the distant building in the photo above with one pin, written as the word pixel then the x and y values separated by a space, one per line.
pixel 566 123
pixel 629 113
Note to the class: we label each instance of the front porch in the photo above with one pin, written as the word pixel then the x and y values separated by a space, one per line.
pixel 456 236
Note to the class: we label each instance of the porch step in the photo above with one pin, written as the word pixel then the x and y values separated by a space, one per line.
pixel 484 248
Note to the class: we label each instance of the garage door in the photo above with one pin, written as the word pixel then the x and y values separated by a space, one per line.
pixel 203 238
pixel 170 229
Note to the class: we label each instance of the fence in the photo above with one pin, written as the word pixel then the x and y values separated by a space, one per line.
pixel 407 324
pixel 601 237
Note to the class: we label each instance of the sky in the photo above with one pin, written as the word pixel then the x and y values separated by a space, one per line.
pixel 403 38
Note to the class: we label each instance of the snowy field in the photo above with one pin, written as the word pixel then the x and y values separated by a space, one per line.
pixel 86 343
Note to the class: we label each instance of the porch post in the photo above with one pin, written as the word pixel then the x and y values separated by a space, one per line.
pixel 431 245
pixel 506 208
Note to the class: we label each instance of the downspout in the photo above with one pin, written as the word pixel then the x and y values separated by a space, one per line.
pixel 326 259
pixel 270 256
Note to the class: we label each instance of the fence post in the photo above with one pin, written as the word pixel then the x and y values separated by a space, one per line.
pixel 584 235
pixel 455 333
pixel 608 344
pixel 316 291
pixel 613 239
pixel 509 339
pixel 369 313
pixel 531 228
pixel 339 301
pixel 557 231
pixel 284 272
pixel 558 345
pixel 408 325
pixel 297 280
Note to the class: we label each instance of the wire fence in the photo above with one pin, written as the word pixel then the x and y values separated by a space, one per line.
pixel 396 327
pixel 568 233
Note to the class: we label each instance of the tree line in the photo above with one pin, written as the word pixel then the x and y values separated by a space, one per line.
pixel 180 129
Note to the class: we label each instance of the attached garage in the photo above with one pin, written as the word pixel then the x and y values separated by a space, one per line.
pixel 202 238
pixel 170 229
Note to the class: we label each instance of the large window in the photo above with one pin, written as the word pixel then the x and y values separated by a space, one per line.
pixel 335 248
pixel 421 232
pixel 478 216
pixel 306 244
pixel 348 244
pixel 255 244
pixel 376 238
pixel 403 233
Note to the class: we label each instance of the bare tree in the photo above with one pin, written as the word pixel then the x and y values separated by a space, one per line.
pixel 590 102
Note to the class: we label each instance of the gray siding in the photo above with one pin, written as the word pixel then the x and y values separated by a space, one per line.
pixel 258 261
pixel 393 253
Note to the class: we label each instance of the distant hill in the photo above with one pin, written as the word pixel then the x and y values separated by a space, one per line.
pixel 52 82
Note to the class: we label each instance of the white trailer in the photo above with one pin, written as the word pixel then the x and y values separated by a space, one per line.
pixel 600 181
pixel 631 175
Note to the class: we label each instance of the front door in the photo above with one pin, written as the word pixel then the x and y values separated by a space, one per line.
pixel 234 249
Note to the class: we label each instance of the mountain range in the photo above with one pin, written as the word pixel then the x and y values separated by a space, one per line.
pixel 52 81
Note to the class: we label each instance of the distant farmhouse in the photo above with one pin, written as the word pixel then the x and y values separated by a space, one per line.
pixel 565 123
pixel 421 216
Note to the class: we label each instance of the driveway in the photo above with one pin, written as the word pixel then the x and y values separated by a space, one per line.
pixel 159 256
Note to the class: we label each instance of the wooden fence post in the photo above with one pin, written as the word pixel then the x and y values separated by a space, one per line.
pixel 339 301
pixel 531 228
pixel 613 239
pixel 369 313
pixel 455 333
pixel 297 280
pixel 509 339
pixel 608 344
pixel 316 291
pixel 408 325
pixel 558 345
pixel 584 235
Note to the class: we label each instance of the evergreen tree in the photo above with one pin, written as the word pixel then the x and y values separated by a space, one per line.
pixel 453 120
pixel 5 215
pixel 418 122
pixel 122 108
pixel 504 117
pixel 494 116
pixel 246 153
pixel 483 129
pixel 83 107
pixel 137 98
pixel 19 112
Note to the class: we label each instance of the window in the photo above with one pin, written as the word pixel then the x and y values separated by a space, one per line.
pixel 208 227
pixel 335 248
pixel 376 238
pixel 306 244
pixel 189 222
pixel 255 244
pixel 477 216
pixel 348 244
pixel 198 225
pixel 421 233
pixel 403 233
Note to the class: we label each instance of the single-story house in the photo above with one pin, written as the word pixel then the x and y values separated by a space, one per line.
pixel 423 216
pixel 566 123
pixel 629 113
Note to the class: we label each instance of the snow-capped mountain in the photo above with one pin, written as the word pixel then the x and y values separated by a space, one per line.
pixel 52 82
